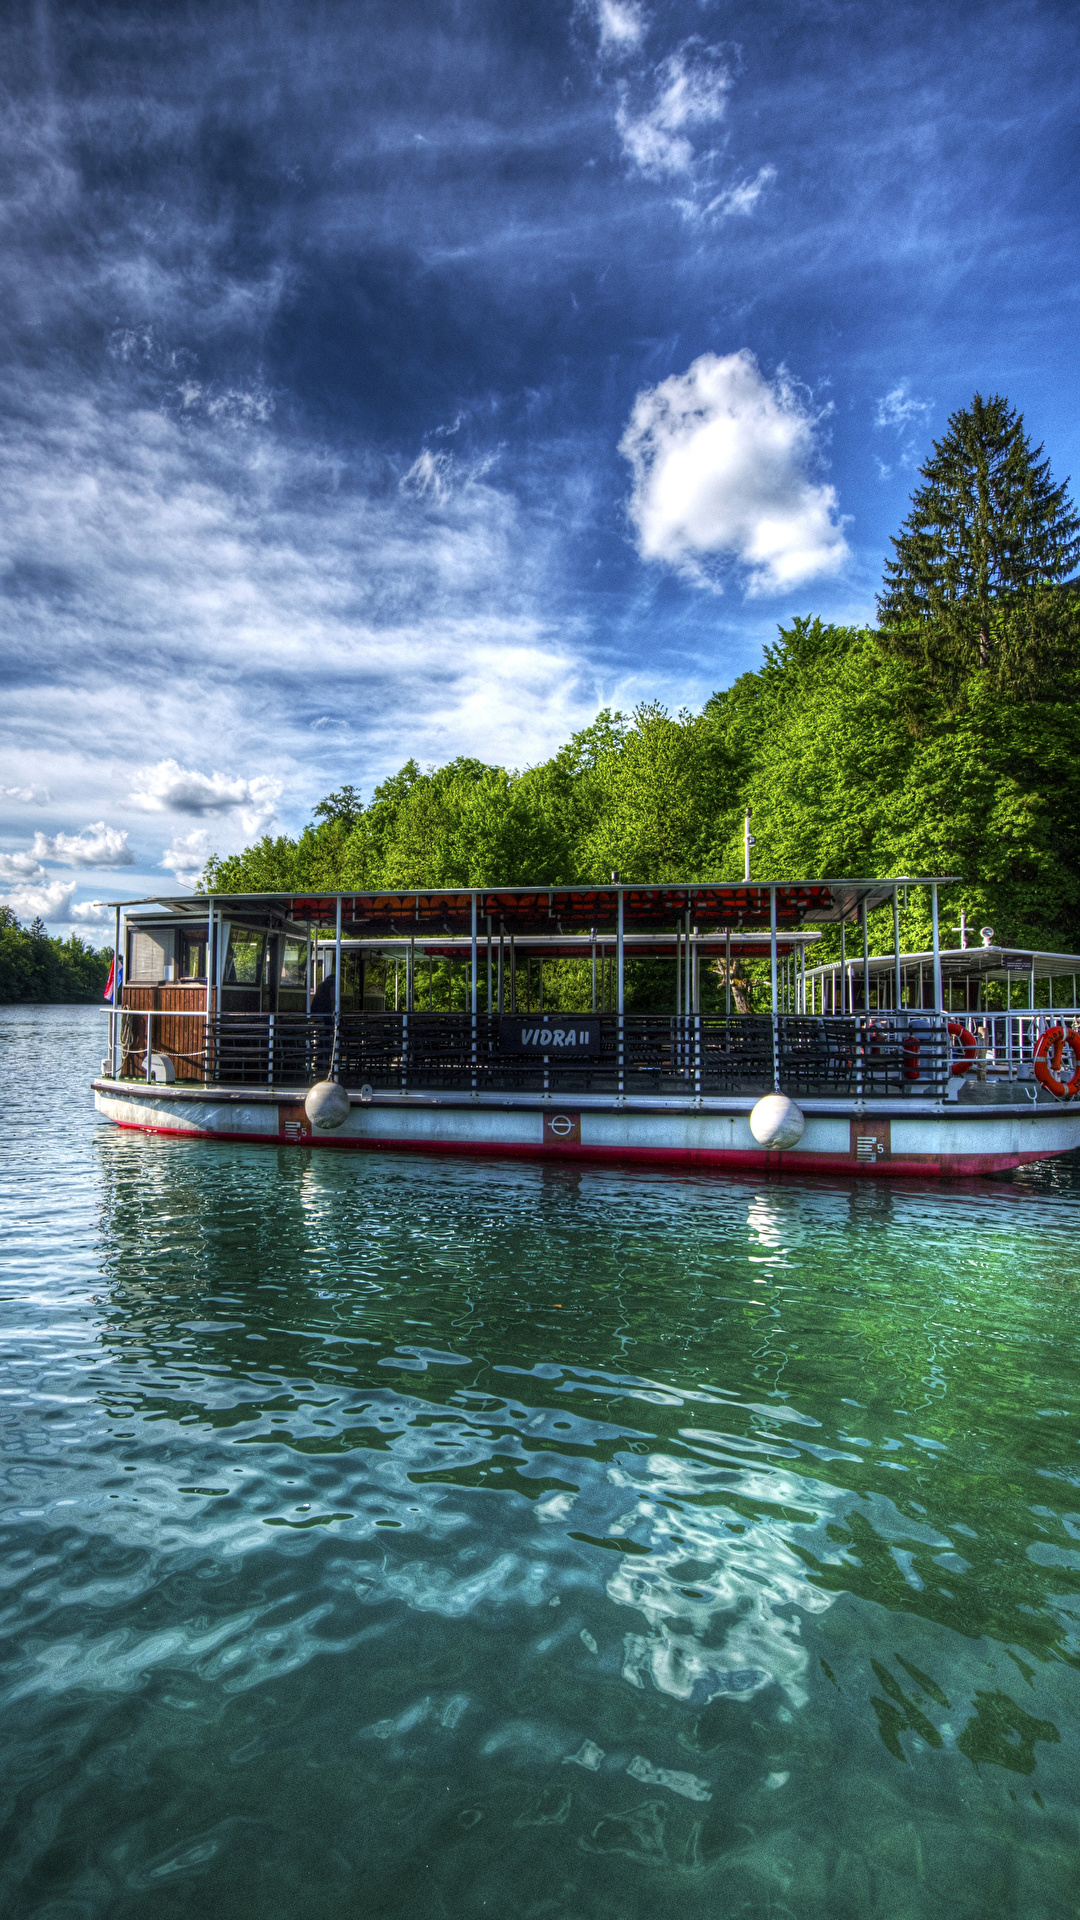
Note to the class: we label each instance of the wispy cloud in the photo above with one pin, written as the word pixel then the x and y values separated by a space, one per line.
pixel 686 96
pixel 900 413
pixel 723 464
pixel 744 196
pixel 621 25
pixel 669 110
pixel 429 477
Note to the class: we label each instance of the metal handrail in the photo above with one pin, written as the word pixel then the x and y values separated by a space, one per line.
pixel 693 1055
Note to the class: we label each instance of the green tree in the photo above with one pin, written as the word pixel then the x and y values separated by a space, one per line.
pixel 344 805
pixel 980 559
pixel 35 966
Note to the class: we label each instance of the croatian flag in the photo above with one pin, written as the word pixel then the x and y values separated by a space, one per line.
pixel 117 968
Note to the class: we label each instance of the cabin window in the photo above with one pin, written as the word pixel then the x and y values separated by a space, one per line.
pixel 152 956
pixel 294 963
pixel 243 965
pixel 191 951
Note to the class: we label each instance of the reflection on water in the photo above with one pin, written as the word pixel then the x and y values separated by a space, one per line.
pixel 410 1538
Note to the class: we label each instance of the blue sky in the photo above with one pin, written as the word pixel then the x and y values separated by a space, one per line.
pixel 414 379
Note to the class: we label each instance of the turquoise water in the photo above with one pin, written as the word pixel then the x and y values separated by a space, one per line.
pixel 392 1537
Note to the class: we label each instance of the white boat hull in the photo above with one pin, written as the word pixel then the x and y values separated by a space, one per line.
pixel 928 1139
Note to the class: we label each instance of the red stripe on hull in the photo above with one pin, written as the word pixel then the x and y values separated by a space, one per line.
pixel 928 1166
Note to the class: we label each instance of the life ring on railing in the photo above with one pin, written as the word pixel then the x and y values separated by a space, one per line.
pixel 875 1036
pixel 910 1053
pixel 1047 1061
pixel 957 1031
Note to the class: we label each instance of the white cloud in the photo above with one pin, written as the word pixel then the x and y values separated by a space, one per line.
pixel 94 913
pixel 96 846
pixel 899 411
pixel 689 92
pixel 429 477
pixel 899 408
pixel 188 855
pixel 28 795
pixel 621 25
pixel 742 199
pixel 238 587
pixel 21 866
pixel 722 460
pixel 170 788
pixel 49 901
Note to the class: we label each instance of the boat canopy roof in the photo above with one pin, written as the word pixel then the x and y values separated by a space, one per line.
pixel 712 907
pixel 962 963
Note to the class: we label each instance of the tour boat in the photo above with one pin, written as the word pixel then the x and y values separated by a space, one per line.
pixel 424 1020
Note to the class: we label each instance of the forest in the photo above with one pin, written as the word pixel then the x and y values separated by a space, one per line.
pixel 942 740
pixel 37 966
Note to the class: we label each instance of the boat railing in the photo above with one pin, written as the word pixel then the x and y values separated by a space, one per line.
pixel 1007 1041
pixel 690 1055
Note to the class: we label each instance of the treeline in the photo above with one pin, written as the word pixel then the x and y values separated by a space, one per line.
pixel 853 761
pixel 35 966
pixel 943 741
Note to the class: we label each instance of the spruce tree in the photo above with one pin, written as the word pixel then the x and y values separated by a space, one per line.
pixel 980 558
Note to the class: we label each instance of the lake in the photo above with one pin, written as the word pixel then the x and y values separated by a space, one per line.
pixel 390 1536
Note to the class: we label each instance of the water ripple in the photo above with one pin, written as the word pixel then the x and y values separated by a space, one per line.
pixel 474 1539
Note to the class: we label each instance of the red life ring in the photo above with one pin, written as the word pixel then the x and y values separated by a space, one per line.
pixel 957 1031
pixel 910 1052
pixel 1047 1061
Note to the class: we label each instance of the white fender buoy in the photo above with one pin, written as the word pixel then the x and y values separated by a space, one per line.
pixel 777 1122
pixel 326 1105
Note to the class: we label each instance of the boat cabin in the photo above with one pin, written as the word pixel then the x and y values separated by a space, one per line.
pixel 439 986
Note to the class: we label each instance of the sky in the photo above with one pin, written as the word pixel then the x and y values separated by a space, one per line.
pixel 406 380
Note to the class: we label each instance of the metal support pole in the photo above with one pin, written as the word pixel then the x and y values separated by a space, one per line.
pixel 487 1004
pixel 843 970
pixel 594 969
pixel 114 1023
pixel 209 985
pixel 336 1055
pixel 695 973
pixel 865 961
pixel 938 1001
pixel 897 982
pixel 473 990
pixel 772 975
pixel 727 972
pixel 270 1053
pixel 499 980
pixel 620 973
